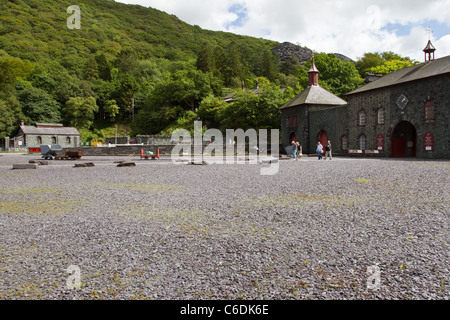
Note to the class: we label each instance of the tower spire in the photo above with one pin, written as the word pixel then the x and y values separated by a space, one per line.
pixel 429 51
pixel 313 73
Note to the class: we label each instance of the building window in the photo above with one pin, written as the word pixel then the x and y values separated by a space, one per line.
pixel 344 143
pixel 362 118
pixel 292 121
pixel 362 142
pixel 429 110
pixel 53 140
pixel 380 116
pixel 68 140
pixel 39 140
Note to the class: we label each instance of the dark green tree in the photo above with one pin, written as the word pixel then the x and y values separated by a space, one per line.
pixel 254 111
pixel 337 76
pixel 79 112
pixel 367 62
pixel 39 106
pixel 270 68
pixel 205 59
pixel 90 70
pixel 103 67
pixel 10 114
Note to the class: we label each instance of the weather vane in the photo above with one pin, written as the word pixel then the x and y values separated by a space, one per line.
pixel 430 32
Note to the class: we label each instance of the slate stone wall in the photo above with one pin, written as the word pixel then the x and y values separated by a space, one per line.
pixel 418 92
pixel 311 120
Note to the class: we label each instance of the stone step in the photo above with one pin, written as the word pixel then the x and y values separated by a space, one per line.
pixel 127 164
pixel 25 166
pixel 84 165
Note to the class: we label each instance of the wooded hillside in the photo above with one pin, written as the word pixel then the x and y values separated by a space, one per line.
pixel 136 66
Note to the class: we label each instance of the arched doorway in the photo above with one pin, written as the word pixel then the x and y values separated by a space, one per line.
pixel 322 137
pixel 292 137
pixel 404 140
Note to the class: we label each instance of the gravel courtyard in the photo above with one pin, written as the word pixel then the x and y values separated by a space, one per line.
pixel 340 229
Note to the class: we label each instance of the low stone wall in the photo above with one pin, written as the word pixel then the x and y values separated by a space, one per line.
pixel 130 150
pixel 154 140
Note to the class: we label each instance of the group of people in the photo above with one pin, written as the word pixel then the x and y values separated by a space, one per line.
pixel 297 150
pixel 320 150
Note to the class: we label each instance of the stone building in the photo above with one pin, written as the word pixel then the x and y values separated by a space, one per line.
pixel 403 114
pixel 47 134
pixel 312 115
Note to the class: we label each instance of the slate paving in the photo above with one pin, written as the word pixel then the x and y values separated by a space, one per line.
pixel 342 229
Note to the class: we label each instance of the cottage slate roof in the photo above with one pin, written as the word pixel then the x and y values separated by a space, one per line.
pixel 61 131
pixel 315 95
pixel 417 72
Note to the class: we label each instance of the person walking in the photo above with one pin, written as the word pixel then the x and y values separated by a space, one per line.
pixel 299 151
pixel 328 151
pixel 319 150
pixel 294 150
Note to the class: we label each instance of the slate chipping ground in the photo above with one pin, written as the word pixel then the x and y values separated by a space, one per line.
pixel 166 231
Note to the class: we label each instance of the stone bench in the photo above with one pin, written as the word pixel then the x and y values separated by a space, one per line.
pixel 126 164
pixel 25 166
pixel 84 165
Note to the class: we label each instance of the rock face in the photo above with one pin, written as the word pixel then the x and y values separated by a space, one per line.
pixel 287 51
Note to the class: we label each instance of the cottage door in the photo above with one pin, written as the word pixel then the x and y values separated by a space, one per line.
pixel 292 137
pixel 404 140
pixel 323 138
pixel 398 147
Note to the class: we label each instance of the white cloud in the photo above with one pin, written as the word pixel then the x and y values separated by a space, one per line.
pixel 350 27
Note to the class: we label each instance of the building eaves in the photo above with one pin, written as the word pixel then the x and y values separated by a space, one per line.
pixel 417 72
pixel 66 131
pixel 315 95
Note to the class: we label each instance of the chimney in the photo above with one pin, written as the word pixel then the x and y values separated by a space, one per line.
pixel 22 123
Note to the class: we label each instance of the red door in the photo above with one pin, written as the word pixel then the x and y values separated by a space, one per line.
pixel 398 147
pixel 323 138
pixel 292 137
pixel 404 140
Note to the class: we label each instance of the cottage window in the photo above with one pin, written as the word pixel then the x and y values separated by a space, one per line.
pixel 292 121
pixel 362 142
pixel 68 140
pixel 429 110
pixel 53 140
pixel 39 140
pixel 380 116
pixel 362 118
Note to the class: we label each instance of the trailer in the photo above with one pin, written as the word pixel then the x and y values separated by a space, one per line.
pixel 49 152
pixel 72 155
pixel 149 154
pixel 55 152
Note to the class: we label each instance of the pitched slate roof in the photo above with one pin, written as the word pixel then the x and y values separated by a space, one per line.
pixel 315 95
pixel 413 73
pixel 49 130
